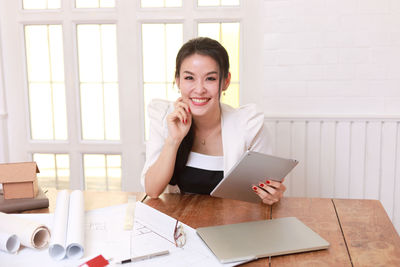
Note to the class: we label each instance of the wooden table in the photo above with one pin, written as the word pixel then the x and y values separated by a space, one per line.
pixel 359 231
pixel 93 199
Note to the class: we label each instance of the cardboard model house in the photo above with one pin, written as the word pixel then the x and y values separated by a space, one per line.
pixel 19 180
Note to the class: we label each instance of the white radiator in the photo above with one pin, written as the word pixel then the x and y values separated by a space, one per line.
pixel 342 157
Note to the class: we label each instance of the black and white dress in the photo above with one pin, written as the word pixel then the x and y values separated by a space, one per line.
pixel 201 174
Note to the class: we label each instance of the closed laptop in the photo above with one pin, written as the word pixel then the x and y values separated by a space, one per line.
pixel 252 240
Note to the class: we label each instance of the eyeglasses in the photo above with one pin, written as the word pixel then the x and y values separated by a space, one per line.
pixel 179 235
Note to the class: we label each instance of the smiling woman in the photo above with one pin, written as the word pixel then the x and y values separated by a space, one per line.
pixel 199 85
pixel 195 139
pixel 160 44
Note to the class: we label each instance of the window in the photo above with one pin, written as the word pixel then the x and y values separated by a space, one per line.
pixel 98 75
pixel 160 43
pixel 41 4
pixel 45 71
pixel 102 172
pixel 218 2
pixel 54 170
pixel 77 105
pixel 95 3
pixel 161 3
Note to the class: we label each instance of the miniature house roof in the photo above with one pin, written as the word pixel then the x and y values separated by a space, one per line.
pixel 18 172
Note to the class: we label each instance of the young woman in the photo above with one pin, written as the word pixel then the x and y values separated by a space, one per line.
pixel 194 140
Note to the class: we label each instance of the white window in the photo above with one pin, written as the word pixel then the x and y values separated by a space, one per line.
pixel 102 172
pixel 218 2
pixel 45 75
pixel 80 74
pixel 54 170
pixel 98 79
pixel 41 4
pixel 161 43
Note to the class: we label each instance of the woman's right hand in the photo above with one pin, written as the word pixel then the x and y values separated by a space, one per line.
pixel 179 121
pixel 270 192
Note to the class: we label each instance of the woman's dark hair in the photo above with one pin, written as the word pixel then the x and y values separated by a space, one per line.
pixel 206 47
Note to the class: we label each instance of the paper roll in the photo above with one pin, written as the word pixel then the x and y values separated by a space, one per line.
pixel 76 225
pixel 30 233
pixel 57 248
pixel 9 243
pixel 68 228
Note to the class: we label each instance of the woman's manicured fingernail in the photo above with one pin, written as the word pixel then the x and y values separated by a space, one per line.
pixel 189 110
pixel 261 184
pixel 255 188
pixel 268 182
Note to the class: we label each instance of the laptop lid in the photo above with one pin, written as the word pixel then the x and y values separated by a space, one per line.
pixel 253 240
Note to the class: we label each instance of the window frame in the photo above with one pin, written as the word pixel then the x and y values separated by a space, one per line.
pixel 128 17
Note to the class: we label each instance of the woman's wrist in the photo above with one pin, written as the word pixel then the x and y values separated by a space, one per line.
pixel 172 142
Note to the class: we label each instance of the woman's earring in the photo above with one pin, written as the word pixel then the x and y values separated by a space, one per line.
pixel 223 93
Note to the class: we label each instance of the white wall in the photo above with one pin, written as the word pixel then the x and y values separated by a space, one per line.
pixel 331 56
pixel 342 157
pixel 3 111
pixel 326 64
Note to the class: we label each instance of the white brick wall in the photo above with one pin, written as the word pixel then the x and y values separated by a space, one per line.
pixel 336 57
pixel 331 56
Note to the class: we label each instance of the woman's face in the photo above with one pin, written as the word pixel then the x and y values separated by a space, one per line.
pixel 199 84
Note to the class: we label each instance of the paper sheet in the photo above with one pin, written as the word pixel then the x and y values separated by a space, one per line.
pixel 105 235
pixel 68 227
pixel 157 235
pixel 30 233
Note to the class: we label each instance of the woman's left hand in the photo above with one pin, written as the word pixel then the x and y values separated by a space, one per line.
pixel 270 192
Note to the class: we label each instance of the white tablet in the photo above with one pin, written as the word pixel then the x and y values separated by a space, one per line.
pixel 252 168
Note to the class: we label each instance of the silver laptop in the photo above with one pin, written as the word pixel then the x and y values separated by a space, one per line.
pixel 252 240
pixel 252 168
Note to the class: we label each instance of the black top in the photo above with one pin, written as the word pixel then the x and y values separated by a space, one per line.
pixel 201 174
pixel 199 181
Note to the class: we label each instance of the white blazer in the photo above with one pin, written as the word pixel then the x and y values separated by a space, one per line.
pixel 242 129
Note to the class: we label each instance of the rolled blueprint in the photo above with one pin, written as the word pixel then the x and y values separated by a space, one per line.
pixel 30 233
pixel 76 225
pixel 59 231
pixel 9 242
pixel 68 228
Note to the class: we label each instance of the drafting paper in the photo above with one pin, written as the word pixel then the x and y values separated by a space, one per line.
pixel 154 232
pixel 105 235
pixel 57 248
pixel 69 226
pixel 76 225
pixel 30 233
pixel 9 242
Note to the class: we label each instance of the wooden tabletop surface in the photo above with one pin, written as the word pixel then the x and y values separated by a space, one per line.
pixel 93 199
pixel 359 231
